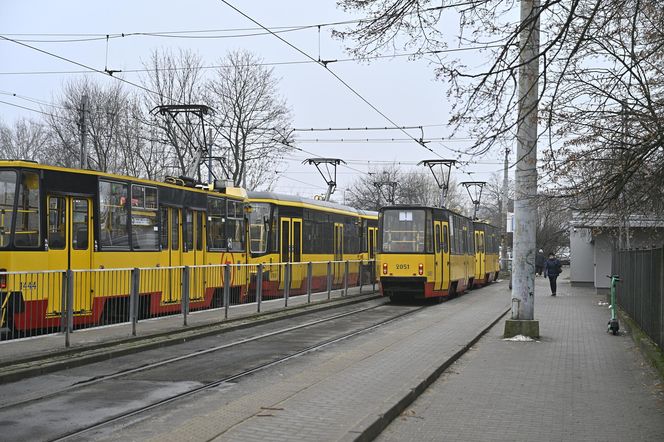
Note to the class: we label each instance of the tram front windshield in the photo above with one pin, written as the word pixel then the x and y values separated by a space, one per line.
pixel 404 230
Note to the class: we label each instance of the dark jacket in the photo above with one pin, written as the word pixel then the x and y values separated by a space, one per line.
pixel 539 260
pixel 552 267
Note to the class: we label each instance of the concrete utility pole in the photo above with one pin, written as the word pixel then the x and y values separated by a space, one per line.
pixel 503 212
pixel 84 131
pixel 525 205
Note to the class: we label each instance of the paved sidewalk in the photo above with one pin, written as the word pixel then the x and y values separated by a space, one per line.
pixel 576 383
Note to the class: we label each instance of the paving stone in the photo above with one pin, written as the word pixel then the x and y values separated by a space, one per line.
pixel 577 383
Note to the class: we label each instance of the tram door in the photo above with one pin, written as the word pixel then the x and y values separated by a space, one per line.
pixel 480 256
pixel 172 292
pixel 445 256
pixel 192 251
pixel 291 250
pixel 338 253
pixel 372 250
pixel 438 258
pixel 69 247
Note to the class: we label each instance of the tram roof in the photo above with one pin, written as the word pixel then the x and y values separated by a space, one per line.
pixel 309 201
pixel 236 192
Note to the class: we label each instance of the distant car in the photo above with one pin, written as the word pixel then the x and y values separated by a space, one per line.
pixel 564 259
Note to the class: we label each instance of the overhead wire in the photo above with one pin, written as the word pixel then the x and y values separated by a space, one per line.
pixel 324 65
pixel 275 63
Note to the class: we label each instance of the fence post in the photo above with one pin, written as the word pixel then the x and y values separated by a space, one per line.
pixel 310 277
pixel 361 270
pixel 287 283
pixel 346 270
pixel 329 279
pixel 227 288
pixel 186 274
pixel 133 298
pixel 373 275
pixel 259 287
pixel 69 306
pixel 660 292
pixel 63 305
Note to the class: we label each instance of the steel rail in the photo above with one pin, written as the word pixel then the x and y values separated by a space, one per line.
pixel 126 372
pixel 236 376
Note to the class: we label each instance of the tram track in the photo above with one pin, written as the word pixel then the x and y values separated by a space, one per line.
pixel 83 387
pixel 198 353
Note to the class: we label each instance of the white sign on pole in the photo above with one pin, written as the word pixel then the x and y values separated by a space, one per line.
pixel 510 222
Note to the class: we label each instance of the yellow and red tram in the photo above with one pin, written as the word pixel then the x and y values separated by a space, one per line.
pixel 487 262
pixel 425 252
pixel 58 219
pixel 296 230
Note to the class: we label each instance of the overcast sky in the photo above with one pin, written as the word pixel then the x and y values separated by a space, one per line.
pixel 403 89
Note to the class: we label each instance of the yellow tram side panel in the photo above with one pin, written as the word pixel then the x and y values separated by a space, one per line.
pixel 36 285
pixel 460 270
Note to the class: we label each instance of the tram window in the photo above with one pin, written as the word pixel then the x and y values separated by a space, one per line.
pixel 163 227
pixel 113 213
pixel 445 240
pixel 404 231
pixel 235 226
pixel 7 197
pixel 273 236
pixel 216 224
pixel 57 222
pixel 428 232
pixel 437 238
pixel 175 229
pixel 79 240
pixel 144 222
pixel 259 225
pixel 188 231
pixel 27 219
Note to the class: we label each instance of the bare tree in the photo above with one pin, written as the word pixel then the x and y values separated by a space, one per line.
pixel 553 218
pixel 491 208
pixel 600 84
pixel 175 78
pixel 144 155
pixel 107 104
pixel 25 140
pixel 373 191
pixel 254 122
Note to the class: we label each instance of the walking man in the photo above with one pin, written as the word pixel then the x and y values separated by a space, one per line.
pixel 552 269
pixel 539 262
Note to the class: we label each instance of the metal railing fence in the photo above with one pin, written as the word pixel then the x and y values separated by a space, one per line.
pixel 640 292
pixel 40 303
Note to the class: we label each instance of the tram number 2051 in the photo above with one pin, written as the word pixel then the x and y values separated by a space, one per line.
pixel 403 266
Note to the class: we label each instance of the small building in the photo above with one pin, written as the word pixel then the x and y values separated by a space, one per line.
pixel 594 237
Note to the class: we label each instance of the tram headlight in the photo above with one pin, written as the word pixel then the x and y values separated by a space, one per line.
pixel 420 269
pixel 3 280
pixel 384 268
